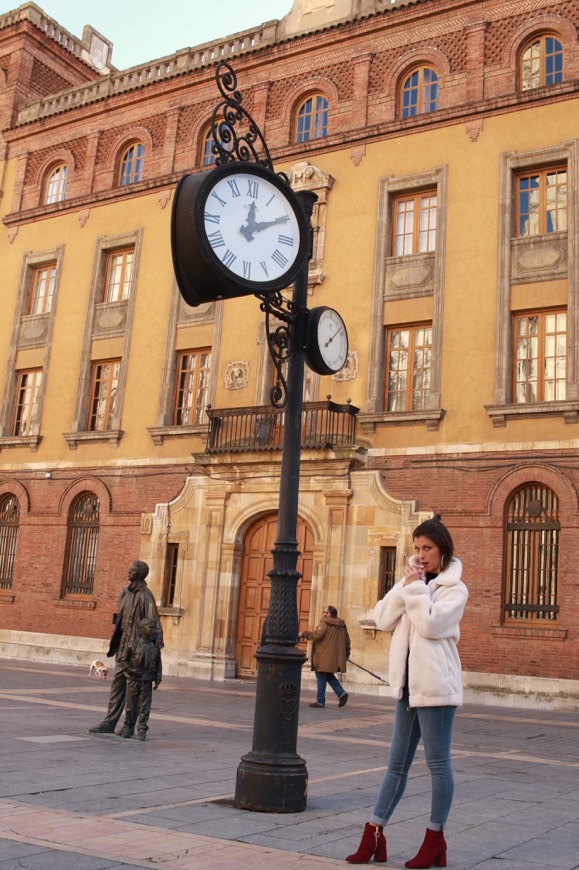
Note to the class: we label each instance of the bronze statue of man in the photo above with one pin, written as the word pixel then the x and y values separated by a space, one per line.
pixel 135 603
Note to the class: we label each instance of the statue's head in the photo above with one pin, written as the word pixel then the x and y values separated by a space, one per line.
pixel 138 571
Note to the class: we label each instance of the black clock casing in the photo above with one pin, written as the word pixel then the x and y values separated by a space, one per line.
pixel 326 341
pixel 237 229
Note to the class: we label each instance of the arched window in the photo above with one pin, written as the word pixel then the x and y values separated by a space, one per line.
pixel 56 184
pixel 541 62
pixel 312 119
pixel 532 555
pixel 9 517
pixel 207 156
pixel 419 92
pixel 82 545
pixel 131 169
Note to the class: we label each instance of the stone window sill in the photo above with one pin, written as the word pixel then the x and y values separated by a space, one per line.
pixel 113 436
pixel 174 612
pixel 500 414
pixel 533 632
pixel 30 441
pixel 6 597
pixel 159 433
pixel 369 628
pixel 430 419
pixel 76 603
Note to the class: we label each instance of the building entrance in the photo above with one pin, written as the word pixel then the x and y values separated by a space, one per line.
pixel 255 587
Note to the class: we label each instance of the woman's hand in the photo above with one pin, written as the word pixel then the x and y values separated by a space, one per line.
pixel 411 575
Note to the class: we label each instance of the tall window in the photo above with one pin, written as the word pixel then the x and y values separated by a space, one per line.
pixel 541 62
pixel 414 223
pixel 42 289
pixel 56 184
pixel 312 119
pixel 532 555
pixel 170 575
pixel 119 272
pixel 132 164
pixel 104 394
pixel 419 92
pixel 83 538
pixel 408 355
pixel 542 202
pixel 387 577
pixel 192 385
pixel 9 517
pixel 26 417
pixel 540 355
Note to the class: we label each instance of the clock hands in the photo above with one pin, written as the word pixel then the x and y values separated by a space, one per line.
pixel 332 337
pixel 252 226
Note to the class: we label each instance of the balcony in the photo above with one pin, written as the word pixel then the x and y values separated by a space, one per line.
pixel 237 430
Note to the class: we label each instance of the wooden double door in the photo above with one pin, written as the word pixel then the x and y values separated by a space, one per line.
pixel 255 587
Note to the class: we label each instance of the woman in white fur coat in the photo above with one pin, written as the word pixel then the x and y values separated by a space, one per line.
pixel 423 611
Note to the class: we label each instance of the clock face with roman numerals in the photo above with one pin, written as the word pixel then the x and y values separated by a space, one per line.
pixel 252 226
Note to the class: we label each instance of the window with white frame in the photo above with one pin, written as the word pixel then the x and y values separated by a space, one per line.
pixel 56 184
pixel 193 370
pixel 408 367
pixel 104 395
pixel 118 275
pixel 26 417
pixel 540 355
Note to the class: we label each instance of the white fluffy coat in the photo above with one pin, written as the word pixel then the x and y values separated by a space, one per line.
pixel 424 620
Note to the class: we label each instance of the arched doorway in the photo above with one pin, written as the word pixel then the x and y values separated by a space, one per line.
pixel 255 587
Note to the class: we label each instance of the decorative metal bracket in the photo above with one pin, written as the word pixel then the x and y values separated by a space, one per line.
pixel 279 342
pixel 228 143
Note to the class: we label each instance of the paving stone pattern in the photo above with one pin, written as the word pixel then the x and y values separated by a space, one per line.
pixel 95 802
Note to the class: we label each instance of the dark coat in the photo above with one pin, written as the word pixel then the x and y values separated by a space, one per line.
pixel 330 645
pixel 134 605
pixel 144 662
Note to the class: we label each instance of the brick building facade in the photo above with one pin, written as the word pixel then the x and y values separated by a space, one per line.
pixel 439 137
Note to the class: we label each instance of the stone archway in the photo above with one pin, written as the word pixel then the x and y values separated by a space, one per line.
pixel 254 588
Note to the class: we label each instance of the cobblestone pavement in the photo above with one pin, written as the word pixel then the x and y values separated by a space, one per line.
pixel 85 802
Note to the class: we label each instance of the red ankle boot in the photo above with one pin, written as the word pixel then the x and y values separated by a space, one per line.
pixel 432 852
pixel 373 844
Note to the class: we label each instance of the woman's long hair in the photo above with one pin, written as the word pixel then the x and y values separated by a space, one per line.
pixel 439 535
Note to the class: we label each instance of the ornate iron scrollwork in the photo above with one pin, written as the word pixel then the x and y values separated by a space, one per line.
pixel 228 143
pixel 236 137
pixel 279 342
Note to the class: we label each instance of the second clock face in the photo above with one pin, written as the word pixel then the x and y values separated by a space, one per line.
pixel 332 339
pixel 251 227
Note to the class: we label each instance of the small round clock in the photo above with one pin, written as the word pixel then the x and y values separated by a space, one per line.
pixel 327 341
pixel 235 230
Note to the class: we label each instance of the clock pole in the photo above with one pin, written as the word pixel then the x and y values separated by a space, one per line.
pixel 273 777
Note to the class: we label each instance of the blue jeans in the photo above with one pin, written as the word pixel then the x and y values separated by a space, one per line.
pixel 323 678
pixel 434 725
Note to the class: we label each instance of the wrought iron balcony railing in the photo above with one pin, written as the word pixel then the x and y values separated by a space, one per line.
pixel 324 424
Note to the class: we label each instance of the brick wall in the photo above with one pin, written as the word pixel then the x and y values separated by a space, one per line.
pixel 35 602
pixel 471 494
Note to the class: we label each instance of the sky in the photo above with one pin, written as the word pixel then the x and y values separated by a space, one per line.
pixel 144 31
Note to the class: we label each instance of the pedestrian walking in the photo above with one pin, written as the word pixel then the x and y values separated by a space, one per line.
pixel 423 611
pixel 135 603
pixel 144 673
pixel 330 652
